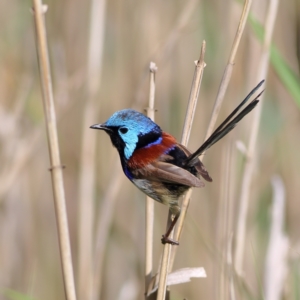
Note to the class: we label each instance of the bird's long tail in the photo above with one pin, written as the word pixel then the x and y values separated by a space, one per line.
pixel 226 126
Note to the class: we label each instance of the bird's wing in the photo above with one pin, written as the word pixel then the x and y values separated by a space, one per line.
pixel 163 171
pixel 197 164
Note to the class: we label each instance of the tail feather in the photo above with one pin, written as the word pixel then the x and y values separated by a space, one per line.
pixel 226 126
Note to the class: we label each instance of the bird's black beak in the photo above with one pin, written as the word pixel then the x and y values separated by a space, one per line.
pixel 101 127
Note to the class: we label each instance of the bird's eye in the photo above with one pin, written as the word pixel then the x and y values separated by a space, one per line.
pixel 123 130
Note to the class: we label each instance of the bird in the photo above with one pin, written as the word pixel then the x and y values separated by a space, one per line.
pixel 156 163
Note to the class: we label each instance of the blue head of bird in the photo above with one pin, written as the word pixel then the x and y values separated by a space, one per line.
pixel 130 130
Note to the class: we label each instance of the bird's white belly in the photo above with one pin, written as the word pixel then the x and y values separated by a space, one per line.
pixel 146 187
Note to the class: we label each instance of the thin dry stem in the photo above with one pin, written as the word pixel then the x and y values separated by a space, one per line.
pixel 194 94
pixel 86 209
pixel 56 167
pixel 166 266
pixel 223 229
pixel 150 201
pixel 277 252
pixel 228 70
pixel 164 270
pixel 250 162
pixel 230 266
pixel 87 174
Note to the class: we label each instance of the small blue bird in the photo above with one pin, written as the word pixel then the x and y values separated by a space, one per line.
pixel 156 163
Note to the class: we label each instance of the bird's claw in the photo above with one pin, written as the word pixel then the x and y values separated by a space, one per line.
pixel 166 240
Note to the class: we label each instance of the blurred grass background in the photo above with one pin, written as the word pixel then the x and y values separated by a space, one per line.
pixel 137 32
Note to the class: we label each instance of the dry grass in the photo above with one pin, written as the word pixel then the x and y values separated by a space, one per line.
pixel 137 32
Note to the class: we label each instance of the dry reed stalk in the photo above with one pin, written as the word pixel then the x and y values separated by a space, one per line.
pixel 228 70
pixel 195 89
pixel 87 161
pixel 194 94
pixel 150 201
pixel 223 224
pixel 56 167
pixel 277 252
pixel 231 269
pixel 163 272
pixel 250 161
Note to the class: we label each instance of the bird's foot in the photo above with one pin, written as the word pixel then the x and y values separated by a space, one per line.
pixel 167 240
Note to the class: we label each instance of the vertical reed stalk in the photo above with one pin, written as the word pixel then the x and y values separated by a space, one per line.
pixel 150 201
pixel 276 265
pixel 250 161
pixel 165 265
pixel 228 70
pixel 223 229
pixel 56 168
pixel 87 175
pixel 194 94
pixel 164 270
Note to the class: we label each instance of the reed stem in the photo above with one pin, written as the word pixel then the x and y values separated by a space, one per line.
pixel 56 168
pixel 250 159
pixel 149 201
pixel 165 264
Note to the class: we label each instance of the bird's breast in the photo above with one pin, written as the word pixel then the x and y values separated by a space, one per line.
pixel 146 155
